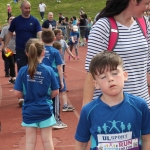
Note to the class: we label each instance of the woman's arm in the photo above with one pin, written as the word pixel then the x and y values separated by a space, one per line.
pixel 146 142
pixel 88 90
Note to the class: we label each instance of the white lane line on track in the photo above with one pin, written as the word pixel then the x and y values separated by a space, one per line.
pixel 76 69
pixel 75 112
pixel 65 146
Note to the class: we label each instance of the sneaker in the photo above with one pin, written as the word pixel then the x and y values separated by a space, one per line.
pixel 42 20
pixel 59 125
pixel 12 81
pixel 77 57
pixel 20 102
pixel 69 58
pixel 68 108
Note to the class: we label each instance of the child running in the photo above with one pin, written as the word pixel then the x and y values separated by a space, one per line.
pixel 52 58
pixel 63 92
pixel 115 120
pixel 74 40
pixel 37 85
pixel 64 45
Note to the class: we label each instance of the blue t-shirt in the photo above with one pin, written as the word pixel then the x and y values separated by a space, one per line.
pixel 36 93
pixel 75 36
pixel 47 23
pixel 25 29
pixel 52 58
pixel 115 127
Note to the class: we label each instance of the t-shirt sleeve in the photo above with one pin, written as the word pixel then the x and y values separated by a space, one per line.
pixel 98 40
pixel 44 25
pixel 54 82
pixel 18 83
pixel 12 26
pixel 58 59
pixel 82 132
pixel 145 119
pixel 38 26
pixel 3 33
pixel 66 45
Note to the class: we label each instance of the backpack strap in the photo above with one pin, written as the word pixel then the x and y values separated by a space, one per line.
pixel 142 24
pixel 113 38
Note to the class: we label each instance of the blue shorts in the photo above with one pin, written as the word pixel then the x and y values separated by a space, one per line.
pixel 42 124
pixel 64 89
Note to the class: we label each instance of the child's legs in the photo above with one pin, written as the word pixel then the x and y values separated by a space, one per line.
pixel 46 135
pixel 12 66
pixel 56 109
pixel 71 47
pixel 31 135
pixel 76 49
pixel 63 93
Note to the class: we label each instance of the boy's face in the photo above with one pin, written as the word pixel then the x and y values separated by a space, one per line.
pixel 59 36
pixel 111 82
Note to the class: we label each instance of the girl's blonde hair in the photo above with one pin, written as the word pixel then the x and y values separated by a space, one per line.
pixel 34 49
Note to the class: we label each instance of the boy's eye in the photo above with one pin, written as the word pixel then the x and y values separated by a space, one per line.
pixel 103 77
pixel 114 72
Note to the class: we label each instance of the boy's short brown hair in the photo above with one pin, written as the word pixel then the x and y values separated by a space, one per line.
pixel 47 36
pixel 104 60
pixel 56 31
pixel 57 45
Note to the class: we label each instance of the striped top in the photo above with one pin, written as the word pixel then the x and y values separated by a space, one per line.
pixel 133 48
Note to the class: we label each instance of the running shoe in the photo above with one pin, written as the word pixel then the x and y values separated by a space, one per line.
pixel 59 125
pixel 67 108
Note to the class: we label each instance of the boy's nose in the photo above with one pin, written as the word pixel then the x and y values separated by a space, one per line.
pixel 110 78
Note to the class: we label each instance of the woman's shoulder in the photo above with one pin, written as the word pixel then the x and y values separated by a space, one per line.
pixel 102 23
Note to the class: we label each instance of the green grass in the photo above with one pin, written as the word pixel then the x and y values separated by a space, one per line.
pixel 69 8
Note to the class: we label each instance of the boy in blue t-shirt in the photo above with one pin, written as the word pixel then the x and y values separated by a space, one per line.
pixel 114 120
pixel 74 40
pixel 52 58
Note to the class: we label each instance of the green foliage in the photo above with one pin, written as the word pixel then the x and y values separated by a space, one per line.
pixel 68 8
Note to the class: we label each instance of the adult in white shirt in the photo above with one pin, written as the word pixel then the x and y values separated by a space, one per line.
pixel 42 8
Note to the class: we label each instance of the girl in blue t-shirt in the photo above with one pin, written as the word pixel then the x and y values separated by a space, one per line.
pixel 74 40
pixel 37 85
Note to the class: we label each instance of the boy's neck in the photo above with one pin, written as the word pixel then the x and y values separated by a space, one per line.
pixel 48 44
pixel 112 100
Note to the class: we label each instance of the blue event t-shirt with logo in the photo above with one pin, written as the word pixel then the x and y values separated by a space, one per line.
pixel 25 29
pixel 36 92
pixel 114 128
pixel 75 36
pixel 52 58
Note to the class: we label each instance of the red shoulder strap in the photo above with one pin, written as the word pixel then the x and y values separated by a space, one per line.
pixel 142 24
pixel 113 38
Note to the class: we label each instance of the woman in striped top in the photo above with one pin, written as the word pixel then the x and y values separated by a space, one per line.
pixel 132 45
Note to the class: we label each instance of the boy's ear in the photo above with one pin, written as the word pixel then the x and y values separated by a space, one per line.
pixel 96 85
pixel 43 53
pixel 125 76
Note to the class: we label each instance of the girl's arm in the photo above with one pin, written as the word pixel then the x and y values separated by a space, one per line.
pixel 80 145
pixel 54 93
pixel 146 142
pixel 18 94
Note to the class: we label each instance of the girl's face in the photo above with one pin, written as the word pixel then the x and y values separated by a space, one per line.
pixel 139 8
